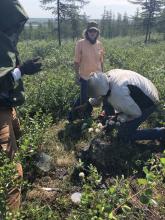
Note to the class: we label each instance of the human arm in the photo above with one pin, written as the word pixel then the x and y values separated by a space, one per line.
pixel 76 68
pixel 102 57
pixel 130 110
pixel 77 60
pixel 29 67
pixel 102 67
pixel 124 104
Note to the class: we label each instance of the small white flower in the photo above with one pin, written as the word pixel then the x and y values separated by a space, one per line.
pixel 100 125
pixel 82 175
pixel 90 130
pixel 97 130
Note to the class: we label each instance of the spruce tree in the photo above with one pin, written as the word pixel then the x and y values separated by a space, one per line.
pixel 150 10
pixel 63 9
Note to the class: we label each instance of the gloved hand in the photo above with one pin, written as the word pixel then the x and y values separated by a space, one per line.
pixel 31 67
pixel 122 118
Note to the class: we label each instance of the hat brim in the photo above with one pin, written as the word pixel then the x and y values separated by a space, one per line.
pixel 92 28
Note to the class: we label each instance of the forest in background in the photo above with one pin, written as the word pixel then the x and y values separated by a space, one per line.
pixel 135 185
pixel 148 19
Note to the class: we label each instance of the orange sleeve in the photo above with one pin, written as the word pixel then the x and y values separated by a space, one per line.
pixel 77 57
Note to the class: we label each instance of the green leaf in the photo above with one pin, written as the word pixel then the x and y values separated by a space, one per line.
pixel 150 177
pixel 162 160
pixel 148 192
pixel 144 199
pixel 112 190
pixel 142 181
pixel 145 170
pixel 154 203
pixel 23 147
pixel 111 216
pixel 126 208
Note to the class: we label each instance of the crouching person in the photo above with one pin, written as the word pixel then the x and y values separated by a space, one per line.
pixel 12 20
pixel 133 97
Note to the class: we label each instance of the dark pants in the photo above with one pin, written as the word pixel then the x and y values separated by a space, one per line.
pixel 75 114
pixel 83 91
pixel 128 131
pixel 82 99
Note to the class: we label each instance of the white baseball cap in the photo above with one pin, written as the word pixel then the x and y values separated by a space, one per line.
pixel 98 85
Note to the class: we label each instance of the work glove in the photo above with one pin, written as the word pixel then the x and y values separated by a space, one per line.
pixel 122 118
pixel 31 67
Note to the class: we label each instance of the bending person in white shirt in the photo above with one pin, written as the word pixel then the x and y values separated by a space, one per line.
pixel 133 96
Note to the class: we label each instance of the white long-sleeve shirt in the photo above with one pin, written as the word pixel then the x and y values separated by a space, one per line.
pixel 120 97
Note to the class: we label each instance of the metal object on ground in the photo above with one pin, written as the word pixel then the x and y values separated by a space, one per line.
pixel 49 189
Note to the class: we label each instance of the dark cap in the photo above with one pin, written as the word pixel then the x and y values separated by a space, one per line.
pixel 92 26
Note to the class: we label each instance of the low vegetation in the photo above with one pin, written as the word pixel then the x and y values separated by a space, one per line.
pixel 138 192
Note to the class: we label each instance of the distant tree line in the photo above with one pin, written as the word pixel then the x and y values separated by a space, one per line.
pixel 150 19
pixel 49 30
pixel 151 11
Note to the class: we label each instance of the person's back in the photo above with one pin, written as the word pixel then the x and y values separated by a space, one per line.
pixel 119 80
pixel 133 98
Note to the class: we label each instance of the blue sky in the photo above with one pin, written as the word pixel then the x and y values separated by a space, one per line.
pixel 94 9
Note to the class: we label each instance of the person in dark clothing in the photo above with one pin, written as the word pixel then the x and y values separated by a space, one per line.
pixel 12 20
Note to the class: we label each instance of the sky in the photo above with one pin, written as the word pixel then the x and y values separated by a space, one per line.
pixel 94 9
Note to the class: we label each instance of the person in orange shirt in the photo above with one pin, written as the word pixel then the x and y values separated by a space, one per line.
pixel 88 59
